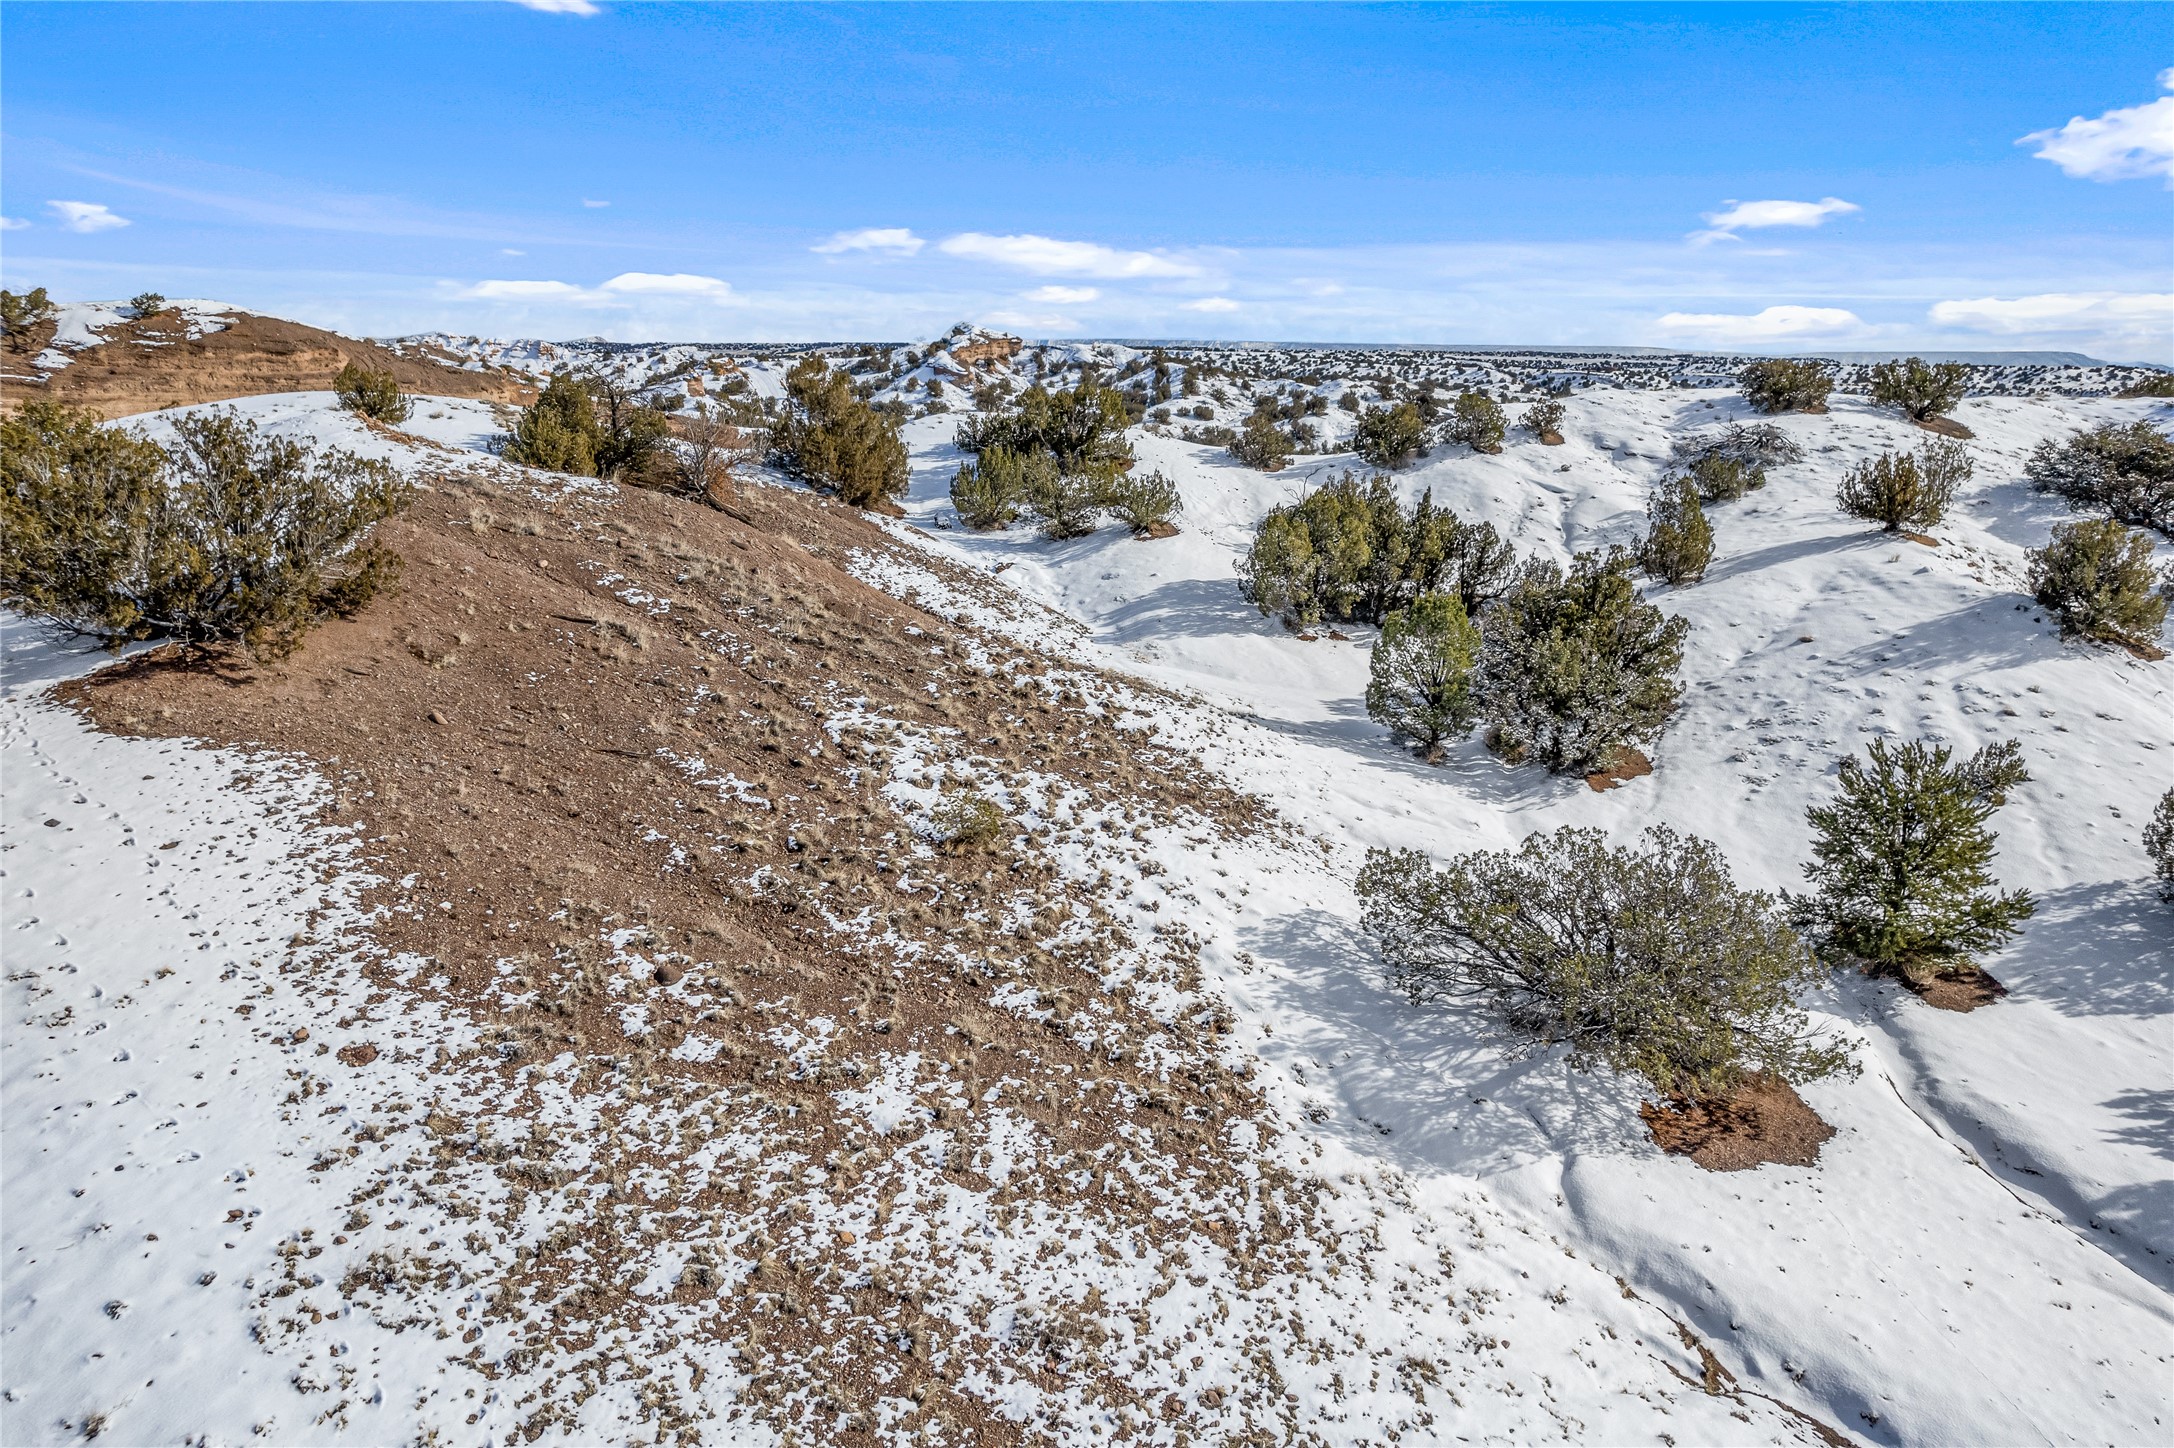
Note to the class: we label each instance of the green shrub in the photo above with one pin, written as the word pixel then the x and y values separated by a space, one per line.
pixel 967 821
pixel 990 492
pixel 1143 503
pixel 146 304
pixel 230 538
pixel 1544 420
pixel 1576 667
pixel 1348 550
pixel 2159 844
pixel 1900 859
pixel 1679 542
pixel 1649 960
pixel 1785 384
pixel 1083 429
pixel 1905 490
pixel 835 440
pixel 1920 390
pixel 1261 444
pixel 2125 472
pixel 1718 479
pixel 371 393
pixel 2159 384
pixel 20 311
pixel 1420 677
pixel 558 431
pixel 1390 437
pixel 1475 421
pixel 1063 505
pixel 2096 577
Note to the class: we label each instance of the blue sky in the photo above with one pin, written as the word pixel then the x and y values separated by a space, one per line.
pixel 1760 178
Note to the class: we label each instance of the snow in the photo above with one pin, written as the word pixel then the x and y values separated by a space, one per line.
pixel 83 324
pixel 2001 1182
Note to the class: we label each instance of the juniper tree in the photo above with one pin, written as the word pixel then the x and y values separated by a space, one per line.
pixel 2096 577
pixel 1261 444
pixel 1477 564
pixel 835 440
pixel 1390 437
pixel 557 431
pixel 2127 472
pixel 2159 844
pixel 20 311
pixel 371 393
pixel 1350 550
pixel 1576 667
pixel 146 304
pixel 990 492
pixel 1544 420
pixel 1785 384
pixel 1475 420
pixel 1421 674
pixel 1921 390
pixel 1899 859
pixel 1679 542
pixel 1719 479
pixel 1905 490
pixel 1142 502
pixel 1649 960
pixel 1064 505
pixel 227 538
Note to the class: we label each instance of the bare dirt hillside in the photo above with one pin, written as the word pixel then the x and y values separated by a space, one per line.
pixel 170 360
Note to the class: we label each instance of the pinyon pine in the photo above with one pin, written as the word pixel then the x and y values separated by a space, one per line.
pixel 2096 577
pixel 1785 384
pixel 1919 389
pixel 1648 960
pixel 1900 856
pixel 2125 472
pixel 1905 491
pixel 1679 542
pixel 1420 676
pixel 1390 437
pixel 370 392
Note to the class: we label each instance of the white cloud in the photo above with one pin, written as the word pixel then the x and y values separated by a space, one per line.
pixel 512 291
pixel 559 7
pixel 1775 324
pixel 511 251
pixel 2119 146
pixel 1209 304
pixel 1030 322
pixel 674 284
pixel 1754 215
pixel 2121 323
pixel 1047 256
pixel 594 205
pixel 85 216
pixel 13 223
pixel 897 240
pixel 1063 296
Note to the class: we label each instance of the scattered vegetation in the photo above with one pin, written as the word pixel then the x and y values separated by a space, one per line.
pixel 2096 577
pixel 1544 420
pixel 557 431
pixel 2159 845
pixel 1421 676
pixel 1349 551
pixel 966 821
pixel 2125 472
pixel 1261 444
pixel 833 439
pixel 1145 504
pixel 229 539
pixel 1649 960
pixel 1476 421
pixel 20 311
pixel 1719 479
pixel 711 448
pixel 1729 464
pixel 1679 542
pixel 371 393
pixel 1390 437
pixel 1920 390
pixel 146 304
pixel 1902 491
pixel 1785 384
pixel 1900 859
pixel 1576 667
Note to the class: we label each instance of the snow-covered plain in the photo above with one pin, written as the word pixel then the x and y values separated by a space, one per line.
pixel 1984 1253
pixel 1981 1255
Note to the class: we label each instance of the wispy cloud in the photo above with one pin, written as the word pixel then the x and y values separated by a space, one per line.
pixel 2120 145
pixel 13 223
pixel 1044 324
pixel 1063 296
pixel 669 284
pixel 1774 324
pixel 1208 304
pixel 625 288
pixel 594 205
pixel 2134 319
pixel 559 7
pixel 892 240
pixel 85 216
pixel 1739 216
pixel 1047 256
pixel 524 291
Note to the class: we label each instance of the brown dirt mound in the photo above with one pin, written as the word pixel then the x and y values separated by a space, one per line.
pixel 1551 438
pixel 144 365
pixel 1629 764
pixel 1765 1121
pixel 1946 427
pixel 1958 990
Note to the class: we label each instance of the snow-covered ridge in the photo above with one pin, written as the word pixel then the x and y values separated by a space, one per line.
pixel 84 324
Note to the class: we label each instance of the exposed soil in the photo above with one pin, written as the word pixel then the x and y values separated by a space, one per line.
pixel 1627 765
pixel 591 723
pixel 1957 990
pixel 1157 530
pixel 152 362
pixel 1765 1121
pixel 1945 427
pixel 1551 438
pixel 1925 538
